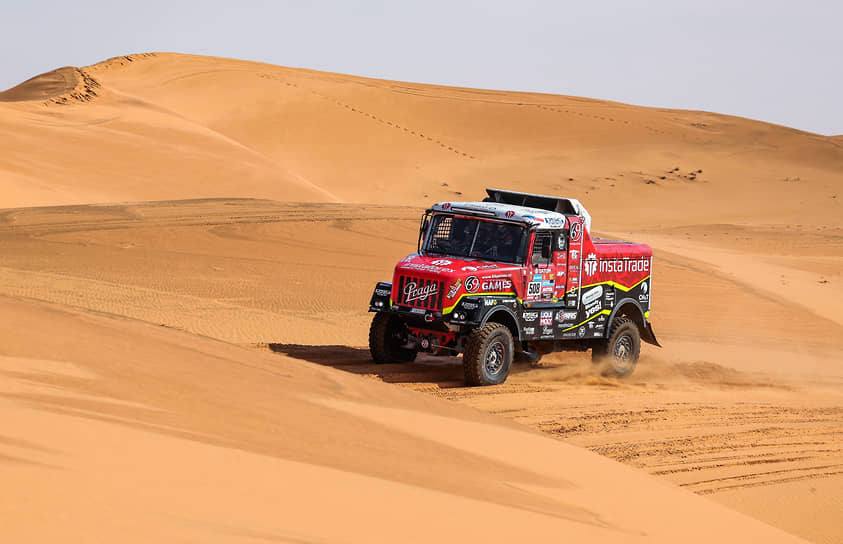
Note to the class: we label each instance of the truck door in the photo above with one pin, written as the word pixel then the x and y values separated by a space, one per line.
pixel 560 259
pixel 542 281
pixel 575 257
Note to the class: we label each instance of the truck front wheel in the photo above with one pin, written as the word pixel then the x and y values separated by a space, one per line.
pixel 618 354
pixel 386 336
pixel 488 355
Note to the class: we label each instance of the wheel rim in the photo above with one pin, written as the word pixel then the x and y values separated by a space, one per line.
pixel 494 358
pixel 622 351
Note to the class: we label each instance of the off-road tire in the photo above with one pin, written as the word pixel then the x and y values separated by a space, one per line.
pixel 618 354
pixel 385 340
pixel 488 353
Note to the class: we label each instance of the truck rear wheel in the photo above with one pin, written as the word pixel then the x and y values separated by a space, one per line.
pixel 488 355
pixel 619 353
pixel 386 336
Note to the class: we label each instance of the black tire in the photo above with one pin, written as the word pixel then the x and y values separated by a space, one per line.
pixel 487 358
pixel 386 335
pixel 618 354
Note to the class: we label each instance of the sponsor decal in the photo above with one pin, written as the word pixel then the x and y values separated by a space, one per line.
pixel 472 284
pixel 534 218
pixel 446 206
pixel 489 302
pixel 454 288
pixel 547 332
pixel 529 331
pixel 534 289
pixel 424 267
pixel 546 319
pixel 644 296
pixel 547 289
pixel 591 324
pixel 487 266
pixel 556 222
pixel 592 294
pixel 537 277
pixel 382 292
pixel 510 214
pixel 529 316
pixel 441 262
pixel 569 316
pixel 469 269
pixel 572 303
pixel 575 254
pixel 593 308
pixel 496 285
pixel 417 311
pixel 581 332
pixel 470 305
pixel 590 265
pixel 570 334
pixel 576 231
pixel 413 292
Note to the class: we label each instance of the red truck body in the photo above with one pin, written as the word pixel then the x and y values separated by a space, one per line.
pixel 535 270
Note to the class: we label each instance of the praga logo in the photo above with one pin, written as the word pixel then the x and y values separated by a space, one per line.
pixel 510 213
pixel 472 284
pixel 576 231
pixel 413 292
pixel 446 205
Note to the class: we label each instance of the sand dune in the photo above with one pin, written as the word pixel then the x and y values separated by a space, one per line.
pixel 133 433
pixel 158 209
pixel 208 127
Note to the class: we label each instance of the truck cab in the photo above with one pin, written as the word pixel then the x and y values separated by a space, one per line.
pixel 515 276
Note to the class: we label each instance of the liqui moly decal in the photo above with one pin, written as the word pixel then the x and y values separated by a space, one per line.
pixel 413 292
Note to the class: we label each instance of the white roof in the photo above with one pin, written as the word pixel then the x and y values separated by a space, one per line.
pixel 542 219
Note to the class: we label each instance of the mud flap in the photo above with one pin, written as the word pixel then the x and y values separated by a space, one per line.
pixel 649 335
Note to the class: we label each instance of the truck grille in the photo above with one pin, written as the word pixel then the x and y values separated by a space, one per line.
pixel 420 292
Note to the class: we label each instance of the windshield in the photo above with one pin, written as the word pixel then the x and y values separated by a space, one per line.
pixel 469 237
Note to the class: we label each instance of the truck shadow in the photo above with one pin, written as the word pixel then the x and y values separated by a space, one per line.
pixel 445 372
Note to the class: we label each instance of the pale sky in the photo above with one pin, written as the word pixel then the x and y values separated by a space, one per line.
pixel 776 61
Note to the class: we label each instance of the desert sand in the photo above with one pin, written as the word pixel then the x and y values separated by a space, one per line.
pixel 187 249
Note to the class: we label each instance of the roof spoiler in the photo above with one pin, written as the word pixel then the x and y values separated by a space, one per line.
pixel 567 206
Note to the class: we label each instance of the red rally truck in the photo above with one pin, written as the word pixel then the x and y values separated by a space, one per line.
pixel 513 277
